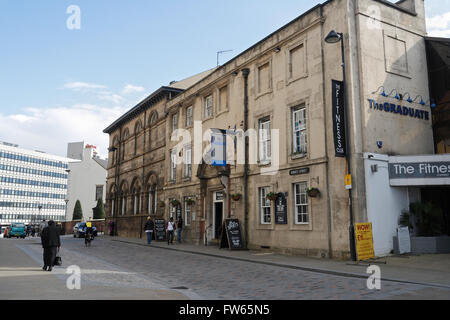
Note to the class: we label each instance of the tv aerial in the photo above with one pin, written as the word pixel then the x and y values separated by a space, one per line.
pixel 221 52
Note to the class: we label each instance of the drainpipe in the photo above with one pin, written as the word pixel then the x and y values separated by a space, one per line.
pixel 327 165
pixel 245 73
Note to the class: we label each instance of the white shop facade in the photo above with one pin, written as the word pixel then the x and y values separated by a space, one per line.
pixel 393 183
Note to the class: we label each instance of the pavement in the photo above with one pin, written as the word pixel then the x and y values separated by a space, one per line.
pixel 430 270
pixel 22 278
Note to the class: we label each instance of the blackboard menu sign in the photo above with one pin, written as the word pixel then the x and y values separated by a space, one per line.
pixel 160 230
pixel 281 209
pixel 232 233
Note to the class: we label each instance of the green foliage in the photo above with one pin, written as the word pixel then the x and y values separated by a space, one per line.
pixel 77 211
pixel 99 210
pixel 405 220
pixel 428 218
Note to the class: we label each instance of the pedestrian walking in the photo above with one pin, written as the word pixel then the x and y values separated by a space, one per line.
pixel 179 228
pixel 33 231
pixel 51 243
pixel 149 226
pixel 111 228
pixel 42 225
pixel 170 229
pixel 28 230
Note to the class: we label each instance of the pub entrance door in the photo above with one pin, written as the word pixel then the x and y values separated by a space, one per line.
pixel 217 213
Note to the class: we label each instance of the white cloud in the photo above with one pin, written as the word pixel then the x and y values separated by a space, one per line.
pixel 50 129
pixel 129 88
pixel 111 97
pixel 21 118
pixel 439 25
pixel 78 86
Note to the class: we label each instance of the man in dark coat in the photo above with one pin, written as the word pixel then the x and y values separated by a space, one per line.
pixel 148 228
pixel 51 243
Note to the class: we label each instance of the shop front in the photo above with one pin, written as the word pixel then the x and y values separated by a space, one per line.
pixel 408 191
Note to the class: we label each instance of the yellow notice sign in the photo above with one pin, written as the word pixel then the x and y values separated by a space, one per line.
pixel 364 241
pixel 348 181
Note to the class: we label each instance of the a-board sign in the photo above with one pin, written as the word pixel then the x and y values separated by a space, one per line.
pixel 364 241
pixel 281 209
pixel 231 235
pixel 160 230
pixel 404 240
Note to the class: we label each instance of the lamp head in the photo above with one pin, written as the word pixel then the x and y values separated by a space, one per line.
pixel 333 37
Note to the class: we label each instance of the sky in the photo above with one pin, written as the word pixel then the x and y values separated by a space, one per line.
pixel 59 84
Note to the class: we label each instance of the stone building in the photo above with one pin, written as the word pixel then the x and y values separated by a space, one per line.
pixel 282 83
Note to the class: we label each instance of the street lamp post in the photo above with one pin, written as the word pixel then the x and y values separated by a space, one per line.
pixel 68 190
pixel 332 38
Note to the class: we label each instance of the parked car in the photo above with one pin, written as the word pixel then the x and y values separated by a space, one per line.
pixel 79 230
pixel 17 230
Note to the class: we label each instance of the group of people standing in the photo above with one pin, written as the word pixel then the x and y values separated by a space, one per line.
pixel 171 227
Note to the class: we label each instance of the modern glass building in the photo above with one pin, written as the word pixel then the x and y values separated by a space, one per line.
pixel 33 185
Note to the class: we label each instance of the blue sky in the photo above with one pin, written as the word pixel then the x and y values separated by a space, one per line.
pixel 59 85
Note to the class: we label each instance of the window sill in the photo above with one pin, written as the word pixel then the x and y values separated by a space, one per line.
pixel 259 95
pixel 209 118
pixel 296 156
pixel 301 227
pixel 265 163
pixel 266 227
pixel 222 112
pixel 187 179
pixel 292 80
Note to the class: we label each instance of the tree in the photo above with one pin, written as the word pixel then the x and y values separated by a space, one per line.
pixel 99 210
pixel 77 211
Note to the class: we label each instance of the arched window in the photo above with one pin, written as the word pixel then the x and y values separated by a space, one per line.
pixel 153 117
pixel 152 200
pixel 137 131
pixel 124 142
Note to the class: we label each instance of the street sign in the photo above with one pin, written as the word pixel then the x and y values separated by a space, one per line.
pixel 300 171
pixel 364 241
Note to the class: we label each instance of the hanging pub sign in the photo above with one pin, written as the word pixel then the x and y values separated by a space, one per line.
pixel 281 209
pixel 218 148
pixel 339 118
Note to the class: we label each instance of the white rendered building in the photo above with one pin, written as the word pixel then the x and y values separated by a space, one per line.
pixel 33 185
pixel 87 179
